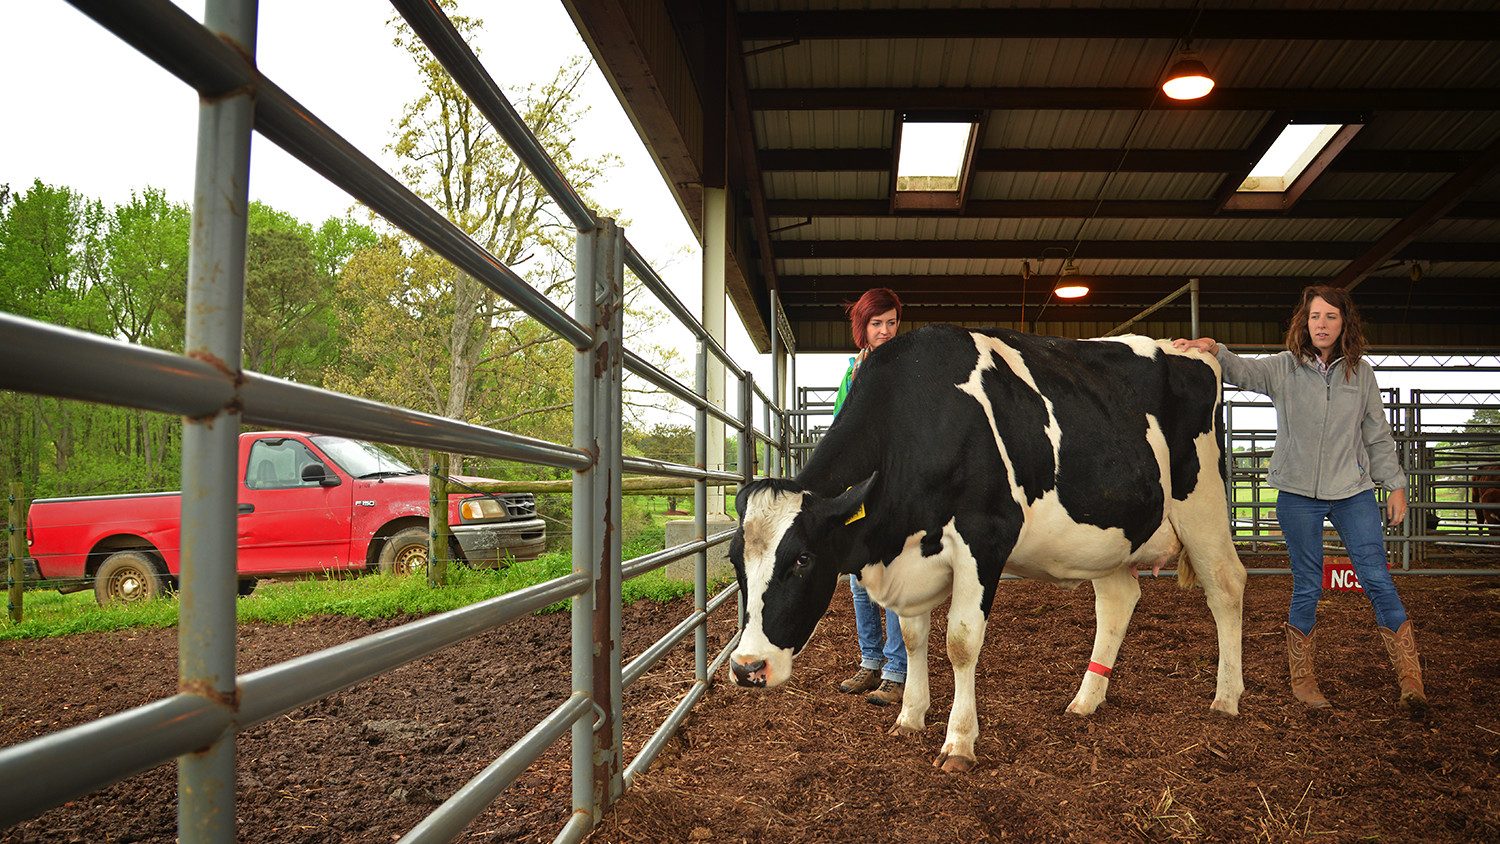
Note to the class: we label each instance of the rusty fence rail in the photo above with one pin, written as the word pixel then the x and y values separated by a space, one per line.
pixel 209 389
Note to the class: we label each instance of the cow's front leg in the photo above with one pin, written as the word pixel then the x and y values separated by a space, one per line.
pixel 1115 596
pixel 916 697
pixel 965 638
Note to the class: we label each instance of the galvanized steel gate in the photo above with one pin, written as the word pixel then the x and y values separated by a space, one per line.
pixel 207 387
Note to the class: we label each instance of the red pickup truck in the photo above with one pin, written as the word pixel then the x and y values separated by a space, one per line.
pixel 307 503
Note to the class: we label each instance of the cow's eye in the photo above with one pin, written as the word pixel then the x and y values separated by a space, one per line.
pixel 802 562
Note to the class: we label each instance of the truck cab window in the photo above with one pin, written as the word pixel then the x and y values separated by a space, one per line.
pixel 277 464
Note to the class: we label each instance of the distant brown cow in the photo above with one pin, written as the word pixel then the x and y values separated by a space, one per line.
pixel 1486 490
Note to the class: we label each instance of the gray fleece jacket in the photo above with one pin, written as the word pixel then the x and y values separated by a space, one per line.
pixel 1332 437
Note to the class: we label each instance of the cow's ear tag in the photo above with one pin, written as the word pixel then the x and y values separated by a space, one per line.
pixel 858 514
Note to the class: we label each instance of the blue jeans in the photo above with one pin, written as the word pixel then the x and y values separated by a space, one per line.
pixel 892 660
pixel 1357 520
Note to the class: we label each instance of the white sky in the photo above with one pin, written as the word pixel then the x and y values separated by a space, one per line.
pixel 104 120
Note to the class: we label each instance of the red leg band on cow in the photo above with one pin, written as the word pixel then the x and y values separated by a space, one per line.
pixel 1102 670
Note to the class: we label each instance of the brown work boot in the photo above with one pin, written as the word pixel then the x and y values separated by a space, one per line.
pixel 1300 655
pixel 1402 648
pixel 863 680
pixel 889 692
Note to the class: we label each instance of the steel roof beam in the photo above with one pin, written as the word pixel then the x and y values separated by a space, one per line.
pixel 838 288
pixel 1124 209
pixel 1286 250
pixel 878 159
pixel 1410 228
pixel 1068 312
pixel 1056 99
pixel 1238 24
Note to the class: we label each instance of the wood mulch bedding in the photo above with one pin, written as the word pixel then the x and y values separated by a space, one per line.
pixel 804 763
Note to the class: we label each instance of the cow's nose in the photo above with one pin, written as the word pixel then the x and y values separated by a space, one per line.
pixel 749 675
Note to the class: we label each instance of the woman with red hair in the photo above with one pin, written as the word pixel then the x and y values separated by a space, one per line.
pixel 873 319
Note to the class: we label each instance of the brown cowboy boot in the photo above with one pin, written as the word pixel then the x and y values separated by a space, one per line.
pixel 1402 648
pixel 1300 654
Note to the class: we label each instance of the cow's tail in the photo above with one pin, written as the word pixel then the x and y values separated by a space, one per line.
pixel 1187 576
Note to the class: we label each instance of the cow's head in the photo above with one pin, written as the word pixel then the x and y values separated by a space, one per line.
pixel 787 554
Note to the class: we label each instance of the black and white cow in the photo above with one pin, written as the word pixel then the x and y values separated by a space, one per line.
pixel 959 454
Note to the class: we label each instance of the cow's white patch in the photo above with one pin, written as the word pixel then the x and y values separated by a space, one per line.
pixel 1143 346
pixel 767 517
pixel 912 584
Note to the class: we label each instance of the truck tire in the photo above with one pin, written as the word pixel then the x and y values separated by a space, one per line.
pixel 246 586
pixel 405 553
pixel 129 577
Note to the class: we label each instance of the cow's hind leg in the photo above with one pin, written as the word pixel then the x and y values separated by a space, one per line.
pixel 1115 596
pixel 966 624
pixel 1200 524
pixel 1223 580
pixel 915 697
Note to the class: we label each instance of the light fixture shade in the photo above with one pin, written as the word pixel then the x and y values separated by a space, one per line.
pixel 1069 285
pixel 1187 80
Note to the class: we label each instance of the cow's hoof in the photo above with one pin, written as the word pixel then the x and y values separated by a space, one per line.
pixel 903 731
pixel 953 764
pixel 1226 707
pixel 1081 710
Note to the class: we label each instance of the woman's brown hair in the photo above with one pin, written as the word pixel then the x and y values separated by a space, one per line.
pixel 1351 342
pixel 876 301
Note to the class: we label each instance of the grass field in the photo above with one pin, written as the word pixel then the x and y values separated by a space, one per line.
pixel 49 613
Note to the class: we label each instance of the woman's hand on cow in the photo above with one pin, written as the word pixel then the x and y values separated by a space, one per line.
pixel 1202 344
pixel 1395 507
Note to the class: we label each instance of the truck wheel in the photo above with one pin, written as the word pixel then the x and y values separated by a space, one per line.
pixel 246 586
pixel 129 577
pixel 405 553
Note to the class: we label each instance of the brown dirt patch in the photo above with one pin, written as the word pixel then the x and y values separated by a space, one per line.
pixel 804 763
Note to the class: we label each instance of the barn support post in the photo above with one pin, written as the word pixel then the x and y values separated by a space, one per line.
pixel 210 444
pixel 15 570
pixel 700 516
pixel 1193 306
pixel 715 254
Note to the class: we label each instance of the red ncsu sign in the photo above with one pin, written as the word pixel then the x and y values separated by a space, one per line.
pixel 1338 574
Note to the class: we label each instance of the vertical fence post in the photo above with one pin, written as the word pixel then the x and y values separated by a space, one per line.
pixel 215 319
pixel 15 572
pixel 769 461
pixel 772 468
pixel 586 521
pixel 598 374
pixel 611 458
pixel 747 429
pixel 438 532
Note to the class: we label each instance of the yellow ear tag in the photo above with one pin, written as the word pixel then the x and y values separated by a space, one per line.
pixel 859 514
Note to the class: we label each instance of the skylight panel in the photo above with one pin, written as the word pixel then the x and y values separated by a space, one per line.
pixel 932 156
pixel 1289 156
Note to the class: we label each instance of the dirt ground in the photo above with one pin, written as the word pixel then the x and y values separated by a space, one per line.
pixel 803 763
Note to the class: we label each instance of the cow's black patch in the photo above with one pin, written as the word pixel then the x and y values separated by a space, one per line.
pixel 1021 420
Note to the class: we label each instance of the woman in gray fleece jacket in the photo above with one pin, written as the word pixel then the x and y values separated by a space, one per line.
pixel 1333 445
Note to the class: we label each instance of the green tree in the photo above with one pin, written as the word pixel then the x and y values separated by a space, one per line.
pixel 139 264
pixel 454 159
pixel 42 251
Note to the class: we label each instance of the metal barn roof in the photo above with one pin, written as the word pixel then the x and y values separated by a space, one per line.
pixel 795 108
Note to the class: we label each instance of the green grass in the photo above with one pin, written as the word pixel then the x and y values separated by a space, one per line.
pixel 48 613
